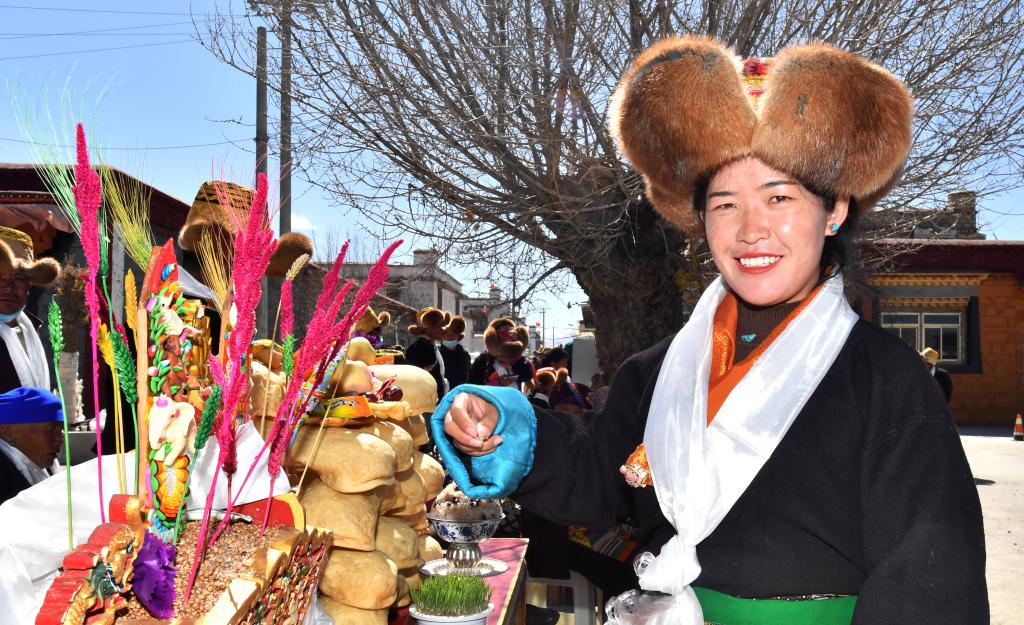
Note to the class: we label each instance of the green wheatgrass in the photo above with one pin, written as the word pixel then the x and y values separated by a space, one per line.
pixel 452 595
pixel 56 326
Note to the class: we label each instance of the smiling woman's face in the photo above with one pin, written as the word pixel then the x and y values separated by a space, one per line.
pixel 14 286
pixel 766 232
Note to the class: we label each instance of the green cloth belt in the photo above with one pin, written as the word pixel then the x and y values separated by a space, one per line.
pixel 723 609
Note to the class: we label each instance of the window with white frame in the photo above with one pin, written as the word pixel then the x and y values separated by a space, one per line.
pixel 940 330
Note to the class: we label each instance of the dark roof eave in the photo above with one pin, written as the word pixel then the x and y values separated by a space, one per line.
pixel 950 255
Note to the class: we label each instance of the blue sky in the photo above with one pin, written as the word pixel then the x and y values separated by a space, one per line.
pixel 164 90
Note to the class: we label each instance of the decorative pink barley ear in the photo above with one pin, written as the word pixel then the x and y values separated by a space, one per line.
pixel 88 195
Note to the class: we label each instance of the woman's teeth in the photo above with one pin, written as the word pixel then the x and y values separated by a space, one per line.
pixel 759 261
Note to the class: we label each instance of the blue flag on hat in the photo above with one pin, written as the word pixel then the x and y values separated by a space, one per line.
pixel 29 405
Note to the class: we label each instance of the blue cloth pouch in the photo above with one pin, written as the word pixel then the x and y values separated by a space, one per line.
pixel 499 473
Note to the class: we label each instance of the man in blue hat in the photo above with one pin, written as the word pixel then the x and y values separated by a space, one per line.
pixel 31 424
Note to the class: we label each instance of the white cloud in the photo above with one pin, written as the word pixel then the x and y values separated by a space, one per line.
pixel 301 222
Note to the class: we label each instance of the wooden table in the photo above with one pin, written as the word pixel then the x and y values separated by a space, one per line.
pixel 509 588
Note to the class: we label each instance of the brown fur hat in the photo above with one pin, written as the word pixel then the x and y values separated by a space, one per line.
pixel 371 321
pixel 507 350
pixel 430 322
pixel 455 330
pixel 546 377
pixel 16 254
pixel 208 212
pixel 290 246
pixel 831 119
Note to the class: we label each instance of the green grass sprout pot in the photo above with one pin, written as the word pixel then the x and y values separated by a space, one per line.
pixel 452 599
pixel 470 619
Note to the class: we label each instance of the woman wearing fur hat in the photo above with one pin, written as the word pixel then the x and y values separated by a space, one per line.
pixel 780 448
pixel 424 352
pixel 504 363
pixel 22 359
pixel 454 356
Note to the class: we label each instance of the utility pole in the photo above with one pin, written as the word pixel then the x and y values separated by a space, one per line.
pixel 261 147
pixel 543 325
pixel 285 188
pixel 261 100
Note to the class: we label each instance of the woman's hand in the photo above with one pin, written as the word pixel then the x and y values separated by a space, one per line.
pixel 470 422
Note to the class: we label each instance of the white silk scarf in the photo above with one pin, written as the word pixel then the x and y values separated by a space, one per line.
pixel 29 360
pixel 700 470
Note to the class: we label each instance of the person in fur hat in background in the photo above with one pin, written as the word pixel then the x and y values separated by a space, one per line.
pixel 565 395
pixel 543 384
pixel 504 363
pixel 454 356
pixel 30 414
pixel 425 352
pixel 784 460
pixel 23 362
pixel 371 327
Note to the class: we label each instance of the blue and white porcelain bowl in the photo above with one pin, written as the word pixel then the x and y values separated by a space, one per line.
pixel 465 531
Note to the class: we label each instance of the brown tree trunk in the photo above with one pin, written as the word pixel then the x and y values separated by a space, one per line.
pixel 635 297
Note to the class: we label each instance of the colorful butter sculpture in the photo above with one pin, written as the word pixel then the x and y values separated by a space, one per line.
pixel 98 573
pixel 177 350
pixel 276 590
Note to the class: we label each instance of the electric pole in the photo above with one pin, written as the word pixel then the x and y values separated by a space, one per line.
pixel 261 100
pixel 285 188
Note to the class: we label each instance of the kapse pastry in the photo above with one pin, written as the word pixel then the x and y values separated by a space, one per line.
pixel 419 389
pixel 352 517
pixel 406 496
pixel 416 426
pixel 349 461
pixel 399 542
pixel 347 615
pixel 400 440
pixel 429 548
pixel 361 579
pixel 430 471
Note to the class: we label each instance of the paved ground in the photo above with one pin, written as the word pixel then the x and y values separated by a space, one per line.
pixel 997 462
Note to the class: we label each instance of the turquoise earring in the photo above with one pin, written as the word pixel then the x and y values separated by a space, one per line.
pixel 835 228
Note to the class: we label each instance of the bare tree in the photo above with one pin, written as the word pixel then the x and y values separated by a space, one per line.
pixel 481 124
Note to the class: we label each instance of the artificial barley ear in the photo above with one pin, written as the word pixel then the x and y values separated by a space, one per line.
pixel 131 297
pixel 296 267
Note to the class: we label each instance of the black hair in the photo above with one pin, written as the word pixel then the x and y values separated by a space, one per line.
pixel 554 356
pixel 839 253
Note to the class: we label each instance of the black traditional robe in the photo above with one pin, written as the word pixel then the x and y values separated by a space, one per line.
pixel 868 493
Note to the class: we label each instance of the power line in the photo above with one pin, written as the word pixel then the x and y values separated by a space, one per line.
pixel 140 45
pixel 98 35
pixel 101 148
pixel 110 11
pixel 9 36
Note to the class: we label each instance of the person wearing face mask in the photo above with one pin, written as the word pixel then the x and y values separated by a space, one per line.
pixel 425 351
pixel 784 460
pixel 453 354
pixel 23 361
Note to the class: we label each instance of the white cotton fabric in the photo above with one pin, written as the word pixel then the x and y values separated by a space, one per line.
pixel 34 532
pixel 248 444
pixel 700 470
pixel 29 360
